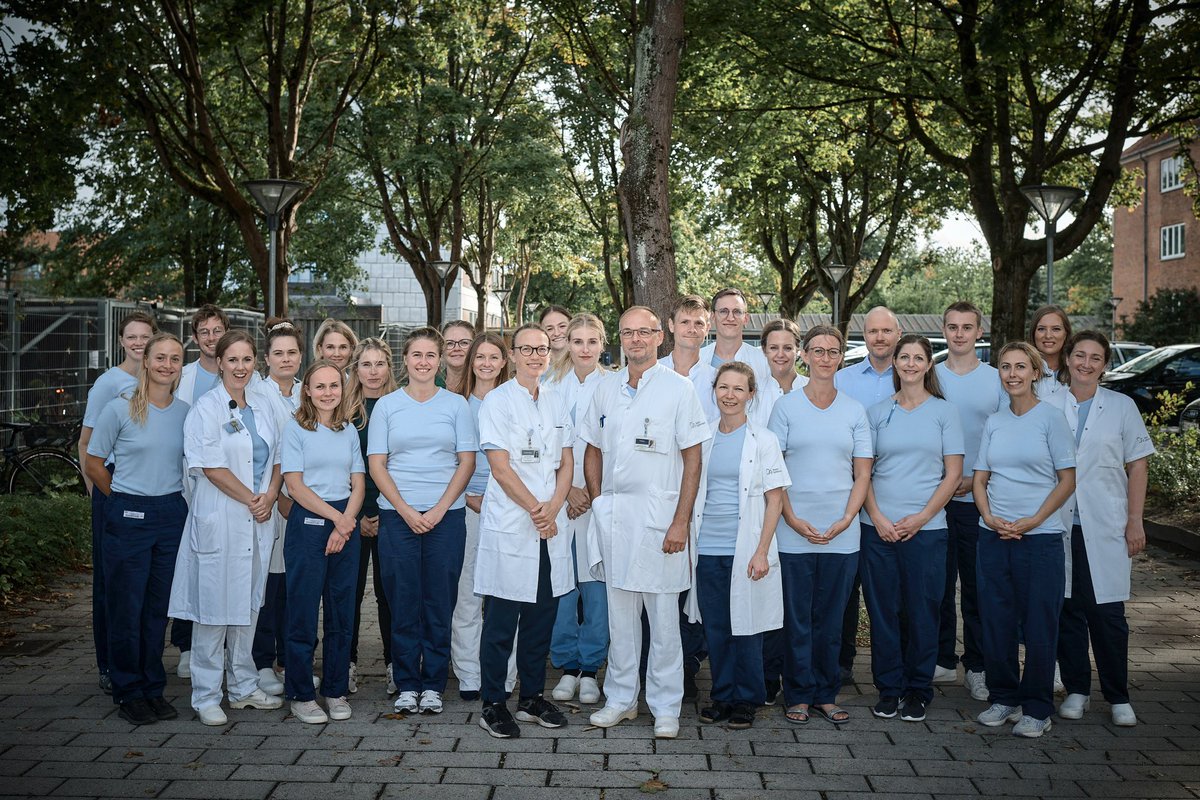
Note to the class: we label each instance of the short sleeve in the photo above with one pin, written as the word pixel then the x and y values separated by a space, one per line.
pixel 985 444
pixel 589 427
pixel 491 424
pixel 356 456
pixel 105 433
pixel 953 441
pixel 774 471
pixel 1061 441
pixel 291 457
pixel 377 429
pixel 1135 441
pixel 202 441
pixel 691 423
pixel 863 446
pixel 564 424
pixel 466 437
pixel 778 424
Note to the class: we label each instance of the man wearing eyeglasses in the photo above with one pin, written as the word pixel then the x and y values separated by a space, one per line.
pixel 729 320
pixel 642 468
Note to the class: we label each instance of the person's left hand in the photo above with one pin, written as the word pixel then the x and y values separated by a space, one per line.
pixel 676 539
pixel 1135 537
pixel 759 567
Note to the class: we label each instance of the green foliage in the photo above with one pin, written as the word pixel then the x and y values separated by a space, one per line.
pixel 1174 470
pixel 1082 280
pixel 1171 316
pixel 926 281
pixel 40 537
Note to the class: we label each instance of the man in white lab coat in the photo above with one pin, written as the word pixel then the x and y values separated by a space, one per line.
pixel 642 468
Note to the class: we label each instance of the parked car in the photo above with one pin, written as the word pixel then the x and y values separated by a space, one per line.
pixel 1189 420
pixel 1127 351
pixel 857 353
pixel 1170 369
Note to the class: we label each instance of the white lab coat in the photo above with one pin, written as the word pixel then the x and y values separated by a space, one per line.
pixel 747 354
pixel 186 392
pixel 640 489
pixel 1113 436
pixel 221 569
pixel 509 557
pixel 754 606
pixel 767 396
pixel 283 409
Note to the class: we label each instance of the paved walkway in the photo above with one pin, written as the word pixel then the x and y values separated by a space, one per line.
pixel 60 737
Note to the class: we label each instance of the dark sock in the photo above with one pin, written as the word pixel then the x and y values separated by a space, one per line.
pixel 588 674
pixel 574 672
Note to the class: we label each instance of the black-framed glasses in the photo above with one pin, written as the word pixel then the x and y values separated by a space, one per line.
pixel 643 333
pixel 458 344
pixel 528 349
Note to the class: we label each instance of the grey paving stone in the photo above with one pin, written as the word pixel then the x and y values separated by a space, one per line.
pixel 768 794
pixel 326 791
pixel 802 750
pixel 80 769
pixel 1059 771
pixel 416 792
pixel 973 769
pixel 39 752
pixel 512 777
pixel 600 779
pixel 396 774
pixel 191 771
pixel 1130 790
pixel 1031 787
pixel 290 772
pixel 820 783
pixel 594 745
pixel 12 768
pixel 29 787
pixel 219 790
pixel 543 793
pixel 155 755
pixel 487 744
pixel 213 740
pixel 263 755
pixel 900 784
pixel 108 787
pixel 659 762
pixel 860 766
pixel 555 761
pixel 726 747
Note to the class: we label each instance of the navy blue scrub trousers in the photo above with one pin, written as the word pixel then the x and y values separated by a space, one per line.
pixel 1021 584
pixel 270 634
pixel 1082 617
pixel 816 587
pixel 902 585
pixel 962 522
pixel 735 662
pixel 141 539
pixel 532 624
pixel 99 615
pixel 315 579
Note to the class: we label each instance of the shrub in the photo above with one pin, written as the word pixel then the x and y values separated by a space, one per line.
pixel 1174 471
pixel 41 536
pixel 1172 316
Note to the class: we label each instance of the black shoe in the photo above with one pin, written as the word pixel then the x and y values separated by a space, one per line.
pixel 886 707
pixel 772 693
pixel 741 717
pixel 540 710
pixel 912 709
pixel 690 692
pixel 162 709
pixel 137 712
pixel 468 695
pixel 496 720
pixel 105 683
pixel 717 712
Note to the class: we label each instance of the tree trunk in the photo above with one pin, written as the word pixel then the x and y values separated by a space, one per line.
pixel 645 151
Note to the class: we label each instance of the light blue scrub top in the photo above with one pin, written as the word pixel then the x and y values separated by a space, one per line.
pixel 262 450
pixel 909 451
pixel 483 470
pixel 719 524
pixel 977 395
pixel 1024 455
pixel 422 442
pixel 206 380
pixel 148 459
pixel 1082 410
pixel 864 384
pixel 819 447
pixel 325 457
pixel 107 387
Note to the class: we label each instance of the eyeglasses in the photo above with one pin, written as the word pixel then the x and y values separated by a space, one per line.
pixel 458 344
pixel 821 352
pixel 736 313
pixel 641 333
pixel 528 349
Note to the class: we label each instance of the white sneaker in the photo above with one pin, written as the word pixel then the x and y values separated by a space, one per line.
pixel 1059 687
pixel 269 682
pixel 308 711
pixel 257 699
pixel 976 683
pixel 1031 727
pixel 1074 706
pixel 431 702
pixel 589 691
pixel 997 714
pixel 212 715
pixel 1122 714
pixel 611 715
pixel 184 668
pixel 316 681
pixel 407 702
pixel 944 675
pixel 666 727
pixel 339 709
pixel 565 690
pixel 353 679
pixel 391 684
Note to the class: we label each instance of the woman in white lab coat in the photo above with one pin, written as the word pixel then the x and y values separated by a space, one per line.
pixel 577 647
pixel 523 564
pixel 1112 448
pixel 738 587
pixel 781 345
pixel 231 447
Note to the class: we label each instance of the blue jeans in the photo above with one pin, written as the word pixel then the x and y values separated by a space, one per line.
pixel 1021 585
pixel 735 662
pixel 1104 623
pixel 270 635
pixel 420 577
pixel 902 586
pixel 315 579
pixel 962 522
pixel 816 587
pixel 531 624
pixel 141 540
pixel 581 644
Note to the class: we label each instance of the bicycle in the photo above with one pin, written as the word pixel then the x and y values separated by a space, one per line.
pixel 44 466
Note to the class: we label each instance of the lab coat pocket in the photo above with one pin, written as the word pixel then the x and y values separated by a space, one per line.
pixel 660 510
pixel 206 534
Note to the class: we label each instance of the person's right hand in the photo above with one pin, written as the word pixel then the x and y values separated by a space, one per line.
pixel 887 531
pixel 260 509
pixel 368 526
pixel 805 529
pixel 415 520
pixel 345 525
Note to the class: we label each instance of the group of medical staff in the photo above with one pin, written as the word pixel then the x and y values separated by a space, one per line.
pixel 516 501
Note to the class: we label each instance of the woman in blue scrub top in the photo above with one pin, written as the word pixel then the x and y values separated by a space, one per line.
pixel 134 332
pixel 144 516
pixel 919 450
pixel 421 447
pixel 826 443
pixel 1024 474
pixel 231 449
pixel 371 377
pixel 487 367
pixel 737 587
pixel 322 465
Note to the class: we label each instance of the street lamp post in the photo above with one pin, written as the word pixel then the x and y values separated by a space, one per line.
pixel 502 294
pixel 445 268
pixel 1050 202
pixel 835 273
pixel 273 196
pixel 765 299
pixel 1113 303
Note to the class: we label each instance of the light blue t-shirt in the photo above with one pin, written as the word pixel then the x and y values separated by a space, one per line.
pixel 483 470
pixel 1082 411
pixel 864 384
pixel 148 459
pixel 819 447
pixel 719 524
pixel 262 450
pixel 1023 455
pixel 107 387
pixel 206 380
pixel 977 395
pixel 909 451
pixel 422 442
pixel 325 457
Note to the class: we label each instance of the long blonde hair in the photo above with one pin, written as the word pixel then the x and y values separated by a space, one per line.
pixel 307 415
pixel 352 399
pixel 139 401
pixel 562 362
pixel 332 325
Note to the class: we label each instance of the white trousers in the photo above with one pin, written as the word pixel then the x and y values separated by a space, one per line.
pixel 223 650
pixel 664 667
pixel 466 627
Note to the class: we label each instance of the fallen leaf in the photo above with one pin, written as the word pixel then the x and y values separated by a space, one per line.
pixel 396 715
pixel 425 741
pixel 194 765
pixel 134 754
pixel 390 761
pixel 653 786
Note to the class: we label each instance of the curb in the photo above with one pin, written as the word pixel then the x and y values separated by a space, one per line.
pixel 1161 534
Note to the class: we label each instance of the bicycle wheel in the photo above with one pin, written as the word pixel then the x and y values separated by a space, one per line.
pixel 45 471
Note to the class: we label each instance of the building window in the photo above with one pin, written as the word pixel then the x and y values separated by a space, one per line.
pixel 1171 242
pixel 1170 173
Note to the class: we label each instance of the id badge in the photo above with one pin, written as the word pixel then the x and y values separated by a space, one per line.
pixel 644 443
pixel 530 456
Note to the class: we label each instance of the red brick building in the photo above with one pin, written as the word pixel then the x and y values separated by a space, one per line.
pixel 1156 243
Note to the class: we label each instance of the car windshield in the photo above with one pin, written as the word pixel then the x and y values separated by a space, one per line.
pixel 1147 361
